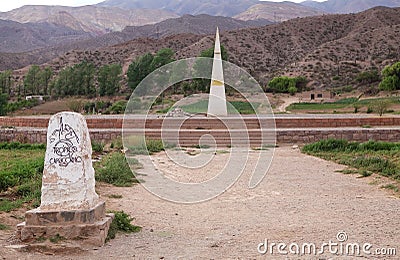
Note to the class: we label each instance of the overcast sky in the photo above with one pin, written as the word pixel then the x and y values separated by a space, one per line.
pixel 7 5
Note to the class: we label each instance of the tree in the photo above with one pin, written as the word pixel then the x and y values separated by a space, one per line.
pixel 139 69
pixel 6 81
pixel 390 77
pixel 380 106
pixel 45 76
pixel 84 79
pixel 32 80
pixel 62 84
pixel 109 77
pixel 286 84
pixel 3 103
pixel 162 57
pixel 76 80
pixel 368 77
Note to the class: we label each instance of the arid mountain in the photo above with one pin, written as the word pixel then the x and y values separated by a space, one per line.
pixel 350 6
pixel 277 12
pixel 94 19
pixel 200 25
pixel 330 50
pixel 212 7
pixel 17 37
pixel 252 9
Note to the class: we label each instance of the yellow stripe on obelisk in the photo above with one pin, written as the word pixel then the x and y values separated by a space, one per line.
pixel 217 83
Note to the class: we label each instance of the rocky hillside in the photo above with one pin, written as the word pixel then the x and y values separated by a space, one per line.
pixel 220 8
pixel 18 37
pixel 252 8
pixel 93 19
pixel 199 25
pixel 330 50
pixel 350 6
pixel 277 12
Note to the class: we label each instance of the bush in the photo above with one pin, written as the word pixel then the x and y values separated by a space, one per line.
pixel 121 223
pixel 14 106
pixel 368 77
pixel 326 145
pixel 114 169
pixel 75 105
pixel 292 90
pixel 152 146
pixel 97 146
pixel 118 107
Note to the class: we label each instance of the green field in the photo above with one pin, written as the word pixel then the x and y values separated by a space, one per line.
pixel 341 104
pixel 21 168
pixel 234 107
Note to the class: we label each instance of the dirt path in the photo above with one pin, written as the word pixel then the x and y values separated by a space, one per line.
pixel 302 200
pixel 287 101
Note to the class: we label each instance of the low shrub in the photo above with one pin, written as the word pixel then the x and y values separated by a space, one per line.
pixel 369 157
pixel 121 223
pixel 114 169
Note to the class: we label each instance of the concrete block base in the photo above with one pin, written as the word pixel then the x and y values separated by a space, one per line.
pixel 89 227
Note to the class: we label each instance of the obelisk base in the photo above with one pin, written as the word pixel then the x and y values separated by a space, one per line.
pixel 90 226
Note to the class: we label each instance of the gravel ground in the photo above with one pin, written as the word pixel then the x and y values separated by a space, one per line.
pixel 302 200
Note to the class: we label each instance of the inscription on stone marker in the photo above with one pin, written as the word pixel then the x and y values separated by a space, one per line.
pixel 65 143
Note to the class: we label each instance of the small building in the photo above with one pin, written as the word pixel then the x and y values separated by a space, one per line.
pixel 37 97
pixel 317 96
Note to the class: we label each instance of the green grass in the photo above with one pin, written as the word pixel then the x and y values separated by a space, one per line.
pixel 57 238
pixel 121 223
pixel 97 147
pixel 136 145
pixel 114 169
pixel 370 157
pixel 115 196
pixel 235 107
pixel 341 104
pixel 391 187
pixel 4 227
pixel 21 168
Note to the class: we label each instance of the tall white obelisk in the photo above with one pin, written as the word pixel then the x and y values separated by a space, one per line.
pixel 217 99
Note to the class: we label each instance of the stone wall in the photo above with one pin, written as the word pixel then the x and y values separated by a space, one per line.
pixel 109 122
pixel 189 138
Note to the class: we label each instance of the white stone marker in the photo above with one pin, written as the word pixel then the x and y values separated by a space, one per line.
pixel 217 98
pixel 69 205
pixel 68 177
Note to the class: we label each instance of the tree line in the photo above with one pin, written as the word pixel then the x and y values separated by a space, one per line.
pixel 84 79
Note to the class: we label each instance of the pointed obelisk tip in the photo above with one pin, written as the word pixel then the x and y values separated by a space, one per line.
pixel 217 48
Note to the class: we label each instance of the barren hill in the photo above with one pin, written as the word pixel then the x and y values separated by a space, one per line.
pixel 200 25
pixel 350 6
pixel 17 37
pixel 194 7
pixel 94 19
pixel 277 12
pixel 318 47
